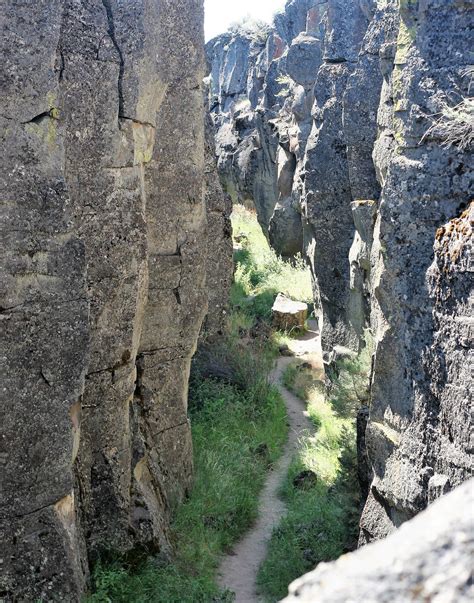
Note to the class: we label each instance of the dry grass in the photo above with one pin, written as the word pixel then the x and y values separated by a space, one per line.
pixel 454 126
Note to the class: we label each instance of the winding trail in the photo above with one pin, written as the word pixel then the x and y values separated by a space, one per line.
pixel 238 570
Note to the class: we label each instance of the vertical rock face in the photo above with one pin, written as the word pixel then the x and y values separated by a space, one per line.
pixel 45 315
pixel 387 224
pixel 257 75
pixel 246 145
pixel 422 287
pixel 220 264
pixel 340 186
pixel 103 280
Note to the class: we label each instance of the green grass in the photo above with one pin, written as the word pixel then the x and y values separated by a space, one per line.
pixel 322 520
pixel 260 274
pixel 239 429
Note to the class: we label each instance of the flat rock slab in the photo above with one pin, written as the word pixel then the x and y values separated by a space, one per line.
pixel 289 314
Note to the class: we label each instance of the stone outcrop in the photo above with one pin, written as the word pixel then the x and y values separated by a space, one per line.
pixel 327 195
pixel 428 559
pixel 323 123
pixel 418 435
pixel 103 280
pixel 256 78
pixel 295 135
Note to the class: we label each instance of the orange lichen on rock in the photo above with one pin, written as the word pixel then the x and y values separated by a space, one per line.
pixel 453 237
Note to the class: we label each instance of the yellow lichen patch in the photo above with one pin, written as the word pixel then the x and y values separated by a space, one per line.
pixel 46 129
pixel 386 432
pixel 51 135
pixel 398 135
pixel 406 32
pixel 401 105
pixel 144 142
pixel 141 470
pixel 400 88
pixel 360 202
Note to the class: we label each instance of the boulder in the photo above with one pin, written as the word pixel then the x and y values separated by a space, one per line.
pixel 427 559
pixel 289 314
pixel 304 59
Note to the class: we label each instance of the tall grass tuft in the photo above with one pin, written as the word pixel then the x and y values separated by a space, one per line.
pixel 260 273
pixel 454 126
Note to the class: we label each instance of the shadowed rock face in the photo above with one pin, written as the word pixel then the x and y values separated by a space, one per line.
pixel 220 264
pixel 256 78
pixel 428 559
pixel 103 280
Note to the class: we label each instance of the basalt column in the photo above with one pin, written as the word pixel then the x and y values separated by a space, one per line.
pixel 104 284
pixel 418 432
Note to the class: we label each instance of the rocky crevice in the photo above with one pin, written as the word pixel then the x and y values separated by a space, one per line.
pixel 385 208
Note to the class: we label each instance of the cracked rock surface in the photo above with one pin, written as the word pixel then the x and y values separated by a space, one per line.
pixel 103 280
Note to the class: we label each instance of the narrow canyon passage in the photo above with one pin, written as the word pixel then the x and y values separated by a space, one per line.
pixel 239 569
pixel 164 194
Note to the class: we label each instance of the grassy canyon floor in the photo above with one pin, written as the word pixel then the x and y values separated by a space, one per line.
pixel 299 491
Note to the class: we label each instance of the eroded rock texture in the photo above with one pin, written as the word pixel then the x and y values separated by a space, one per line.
pixel 296 114
pixel 104 280
pixel 419 432
pixel 256 78
pixel 220 264
pixel 428 559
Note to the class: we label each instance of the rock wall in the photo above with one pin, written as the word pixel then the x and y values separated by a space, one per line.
pixel 406 273
pixel 220 263
pixel 422 285
pixel 252 92
pixel 428 559
pixel 103 280
pixel 354 96
pixel 377 94
pixel 327 194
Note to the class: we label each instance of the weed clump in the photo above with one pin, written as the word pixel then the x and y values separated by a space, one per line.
pixel 254 29
pixel 454 126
